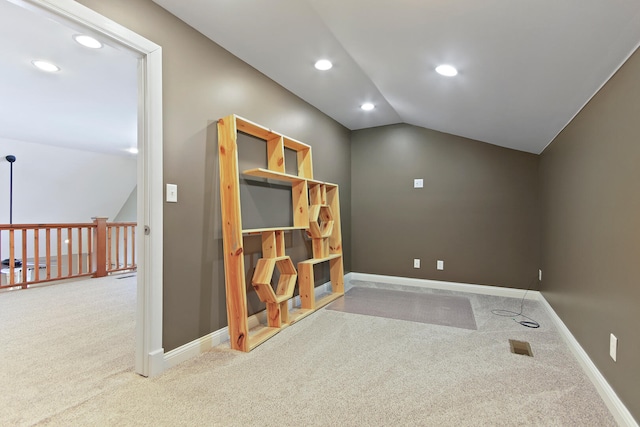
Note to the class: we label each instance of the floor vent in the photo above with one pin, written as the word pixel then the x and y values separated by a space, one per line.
pixel 520 347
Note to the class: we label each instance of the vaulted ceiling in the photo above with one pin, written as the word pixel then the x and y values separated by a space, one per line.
pixel 525 67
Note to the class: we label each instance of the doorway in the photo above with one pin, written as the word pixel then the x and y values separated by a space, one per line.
pixel 149 354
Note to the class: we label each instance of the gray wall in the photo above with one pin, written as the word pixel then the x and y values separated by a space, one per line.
pixel 202 83
pixel 478 210
pixel 590 191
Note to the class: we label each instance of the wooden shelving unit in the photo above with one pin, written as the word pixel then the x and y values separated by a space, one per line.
pixel 315 208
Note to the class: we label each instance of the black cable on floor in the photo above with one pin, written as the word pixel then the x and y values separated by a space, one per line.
pixel 508 313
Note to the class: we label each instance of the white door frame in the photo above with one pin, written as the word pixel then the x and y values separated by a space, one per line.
pixel 149 351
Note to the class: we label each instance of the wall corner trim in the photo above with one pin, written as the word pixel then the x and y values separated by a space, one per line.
pixel 156 362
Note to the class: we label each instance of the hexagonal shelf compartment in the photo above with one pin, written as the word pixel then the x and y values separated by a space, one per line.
pixel 286 283
pixel 320 221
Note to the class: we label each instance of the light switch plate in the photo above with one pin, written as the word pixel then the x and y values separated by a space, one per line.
pixel 416 263
pixel 418 183
pixel 613 347
pixel 172 193
pixel 440 264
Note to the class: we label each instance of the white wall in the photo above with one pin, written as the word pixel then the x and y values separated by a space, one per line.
pixel 129 210
pixel 52 184
pixel 61 185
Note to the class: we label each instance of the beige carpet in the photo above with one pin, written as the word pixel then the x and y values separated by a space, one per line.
pixel 63 344
pixel 336 368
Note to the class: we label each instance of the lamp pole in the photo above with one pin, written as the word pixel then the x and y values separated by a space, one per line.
pixel 11 159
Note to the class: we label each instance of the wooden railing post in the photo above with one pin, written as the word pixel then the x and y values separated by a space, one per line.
pixel 99 264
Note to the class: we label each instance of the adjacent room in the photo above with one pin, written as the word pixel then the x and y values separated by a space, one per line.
pixel 372 213
pixel 68 138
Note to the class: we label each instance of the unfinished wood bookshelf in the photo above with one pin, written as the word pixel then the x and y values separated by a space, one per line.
pixel 315 209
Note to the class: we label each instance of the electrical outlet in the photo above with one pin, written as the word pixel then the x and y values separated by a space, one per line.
pixel 613 347
pixel 440 264
pixel 418 183
pixel 540 275
pixel 416 263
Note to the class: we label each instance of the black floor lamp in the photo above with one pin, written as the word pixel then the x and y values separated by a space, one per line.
pixel 11 159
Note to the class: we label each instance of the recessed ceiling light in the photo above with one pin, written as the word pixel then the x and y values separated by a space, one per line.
pixel 446 70
pixel 133 150
pixel 87 41
pixel 45 66
pixel 367 106
pixel 323 65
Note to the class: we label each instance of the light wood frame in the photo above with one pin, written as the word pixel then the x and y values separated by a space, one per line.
pixel 315 208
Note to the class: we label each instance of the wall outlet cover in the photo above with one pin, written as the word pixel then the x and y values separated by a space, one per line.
pixel 416 263
pixel 440 264
pixel 418 183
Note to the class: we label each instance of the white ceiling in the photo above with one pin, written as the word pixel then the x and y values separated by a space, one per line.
pixel 90 104
pixel 525 67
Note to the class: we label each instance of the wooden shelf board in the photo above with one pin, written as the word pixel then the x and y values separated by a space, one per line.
pixel 295 145
pixel 260 334
pixel 282 298
pixel 268 174
pixel 321 302
pixel 251 128
pixel 262 230
pixel 319 260
pixel 315 181
pixel 298 314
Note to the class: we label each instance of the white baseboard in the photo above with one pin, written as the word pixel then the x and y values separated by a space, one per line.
pixel 450 286
pixel 205 343
pixel 347 281
pixel 195 347
pixel 619 411
pixel 156 362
